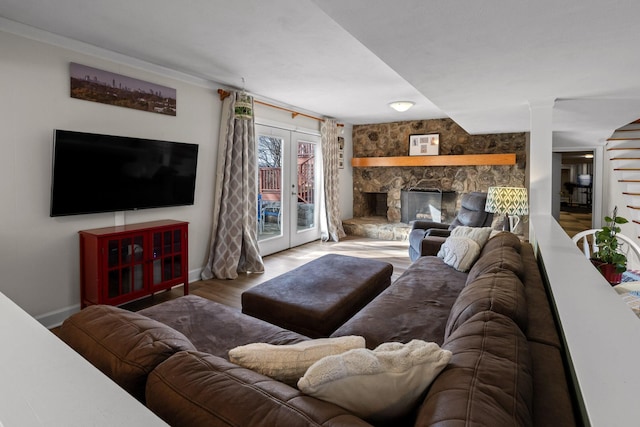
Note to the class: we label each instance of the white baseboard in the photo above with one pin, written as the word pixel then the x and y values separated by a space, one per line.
pixel 194 275
pixel 55 318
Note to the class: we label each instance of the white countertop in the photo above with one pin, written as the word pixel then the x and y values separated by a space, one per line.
pixel 43 382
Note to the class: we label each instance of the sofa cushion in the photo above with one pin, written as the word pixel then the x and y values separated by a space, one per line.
pixel 217 328
pixel 288 363
pixel 415 306
pixel 378 385
pixel 459 252
pixel 501 292
pixel 552 405
pixel 504 257
pixel 194 389
pixel 125 346
pixel 488 381
pixel 478 234
pixel 500 239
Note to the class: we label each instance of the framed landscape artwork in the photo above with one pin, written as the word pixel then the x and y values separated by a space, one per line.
pixel 92 84
pixel 424 145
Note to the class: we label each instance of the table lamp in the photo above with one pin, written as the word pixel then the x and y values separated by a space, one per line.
pixel 510 201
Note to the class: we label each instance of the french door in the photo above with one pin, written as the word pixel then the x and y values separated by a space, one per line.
pixel 288 188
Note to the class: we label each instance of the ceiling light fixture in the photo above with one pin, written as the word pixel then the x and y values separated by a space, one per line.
pixel 588 156
pixel 401 105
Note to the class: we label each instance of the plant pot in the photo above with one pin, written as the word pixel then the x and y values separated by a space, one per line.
pixel 608 271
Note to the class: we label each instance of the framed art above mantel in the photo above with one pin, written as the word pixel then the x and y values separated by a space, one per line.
pixel 424 145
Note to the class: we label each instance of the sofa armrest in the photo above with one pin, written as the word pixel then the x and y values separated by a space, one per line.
pixel 430 245
pixel 439 232
pixel 125 346
pixel 426 225
pixel 198 389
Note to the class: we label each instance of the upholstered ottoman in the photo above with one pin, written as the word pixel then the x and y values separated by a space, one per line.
pixel 316 298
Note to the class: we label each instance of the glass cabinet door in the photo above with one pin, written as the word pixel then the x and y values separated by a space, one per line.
pixel 167 258
pixel 125 266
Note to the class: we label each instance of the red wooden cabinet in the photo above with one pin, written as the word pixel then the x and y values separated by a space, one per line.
pixel 122 263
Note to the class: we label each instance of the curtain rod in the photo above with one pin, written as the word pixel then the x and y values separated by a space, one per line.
pixel 223 94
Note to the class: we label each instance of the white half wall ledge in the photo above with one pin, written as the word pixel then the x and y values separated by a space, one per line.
pixel 600 332
pixel 46 383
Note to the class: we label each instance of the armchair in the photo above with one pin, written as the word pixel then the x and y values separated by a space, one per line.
pixel 426 237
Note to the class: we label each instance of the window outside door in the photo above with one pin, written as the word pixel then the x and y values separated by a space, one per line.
pixel 288 176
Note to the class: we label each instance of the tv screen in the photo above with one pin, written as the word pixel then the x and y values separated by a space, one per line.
pixel 102 173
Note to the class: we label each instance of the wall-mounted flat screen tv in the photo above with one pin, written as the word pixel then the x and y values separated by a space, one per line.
pixel 102 173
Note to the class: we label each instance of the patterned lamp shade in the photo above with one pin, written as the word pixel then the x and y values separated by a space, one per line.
pixel 507 200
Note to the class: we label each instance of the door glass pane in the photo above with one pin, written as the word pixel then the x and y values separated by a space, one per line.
pixel 177 241
pixel 157 244
pixel 126 251
pixel 157 271
pixel 126 280
pixel 306 185
pixel 138 278
pixel 177 266
pixel 166 248
pixel 137 248
pixel 167 268
pixel 269 186
pixel 114 283
pixel 113 253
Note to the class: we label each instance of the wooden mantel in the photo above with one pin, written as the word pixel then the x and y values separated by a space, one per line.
pixel 448 160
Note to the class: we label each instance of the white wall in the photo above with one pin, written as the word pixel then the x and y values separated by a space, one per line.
pixel 38 254
pixel 39 263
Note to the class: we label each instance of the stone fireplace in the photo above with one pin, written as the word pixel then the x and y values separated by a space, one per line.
pixel 392 139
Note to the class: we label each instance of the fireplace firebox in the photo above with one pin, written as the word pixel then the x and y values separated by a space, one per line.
pixel 375 204
pixel 427 204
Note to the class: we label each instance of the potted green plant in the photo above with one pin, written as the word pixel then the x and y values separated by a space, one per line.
pixel 610 261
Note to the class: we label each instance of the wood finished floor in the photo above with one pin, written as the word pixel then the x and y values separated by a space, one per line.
pixel 573 222
pixel 228 291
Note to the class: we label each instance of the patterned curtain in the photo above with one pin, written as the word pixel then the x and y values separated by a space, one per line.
pixel 329 135
pixel 234 240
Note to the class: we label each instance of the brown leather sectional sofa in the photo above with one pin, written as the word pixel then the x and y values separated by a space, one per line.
pixel 506 367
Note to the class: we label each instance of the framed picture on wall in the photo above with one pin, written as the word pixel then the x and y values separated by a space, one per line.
pixel 424 145
pixel 340 152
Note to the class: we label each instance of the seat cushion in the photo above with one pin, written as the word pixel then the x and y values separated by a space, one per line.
pixel 415 306
pixel 488 381
pixel 217 328
pixel 125 346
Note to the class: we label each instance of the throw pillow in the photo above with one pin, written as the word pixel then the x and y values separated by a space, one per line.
pixel 287 363
pixel 459 252
pixel 377 385
pixel 479 234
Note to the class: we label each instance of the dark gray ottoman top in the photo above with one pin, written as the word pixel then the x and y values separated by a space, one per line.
pixel 316 298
